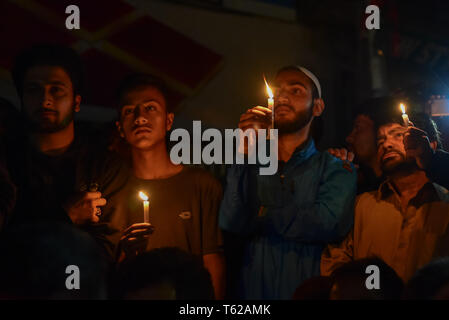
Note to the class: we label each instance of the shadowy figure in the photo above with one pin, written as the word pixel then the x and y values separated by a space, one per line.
pixel 9 124
pixel 316 288
pixel 35 257
pixel 164 274
pixel 431 282
pixel 7 196
pixel 349 281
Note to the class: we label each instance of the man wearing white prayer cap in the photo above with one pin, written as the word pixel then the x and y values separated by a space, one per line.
pixel 289 217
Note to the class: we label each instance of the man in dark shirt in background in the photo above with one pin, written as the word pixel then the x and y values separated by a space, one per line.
pixel 60 173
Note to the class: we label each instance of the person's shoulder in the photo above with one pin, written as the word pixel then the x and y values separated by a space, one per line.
pixel 333 164
pixel 365 202
pixel 443 193
pixel 367 197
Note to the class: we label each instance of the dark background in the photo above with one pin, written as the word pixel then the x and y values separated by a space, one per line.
pixel 213 53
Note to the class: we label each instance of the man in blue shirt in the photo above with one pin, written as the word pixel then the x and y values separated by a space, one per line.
pixel 287 218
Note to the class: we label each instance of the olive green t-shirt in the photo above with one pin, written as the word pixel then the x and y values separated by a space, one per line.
pixel 183 210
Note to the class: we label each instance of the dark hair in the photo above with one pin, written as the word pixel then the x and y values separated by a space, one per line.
pixel 385 110
pixel 315 288
pixel 378 108
pixel 354 274
pixel 184 271
pixel 429 280
pixel 49 55
pixel 139 80
pixel 295 68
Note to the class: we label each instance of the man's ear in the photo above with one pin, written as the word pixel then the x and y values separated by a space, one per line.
pixel 318 107
pixel 169 121
pixel 77 103
pixel 119 128
pixel 434 145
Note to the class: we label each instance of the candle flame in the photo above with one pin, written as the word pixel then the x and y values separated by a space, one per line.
pixel 269 92
pixel 143 196
pixel 402 107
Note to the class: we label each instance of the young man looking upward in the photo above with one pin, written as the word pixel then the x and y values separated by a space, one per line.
pixel 183 201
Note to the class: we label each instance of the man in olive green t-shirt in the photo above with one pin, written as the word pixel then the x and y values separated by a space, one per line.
pixel 183 202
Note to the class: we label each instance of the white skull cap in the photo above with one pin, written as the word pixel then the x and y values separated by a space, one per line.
pixel 311 77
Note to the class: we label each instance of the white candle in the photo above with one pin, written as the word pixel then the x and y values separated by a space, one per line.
pixel 404 115
pixel 146 207
pixel 146 211
pixel 270 105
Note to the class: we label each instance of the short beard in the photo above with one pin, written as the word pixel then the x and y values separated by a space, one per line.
pixel 405 166
pixel 301 120
pixel 45 128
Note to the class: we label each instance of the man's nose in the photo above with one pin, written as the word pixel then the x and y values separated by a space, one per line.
pixel 47 98
pixel 139 119
pixel 281 99
pixel 387 144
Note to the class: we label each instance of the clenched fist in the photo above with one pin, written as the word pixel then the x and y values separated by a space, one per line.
pixel 85 207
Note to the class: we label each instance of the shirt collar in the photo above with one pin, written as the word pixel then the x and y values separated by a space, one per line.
pixel 304 151
pixel 434 191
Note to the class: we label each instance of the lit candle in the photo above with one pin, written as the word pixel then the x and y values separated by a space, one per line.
pixel 146 207
pixel 270 104
pixel 404 115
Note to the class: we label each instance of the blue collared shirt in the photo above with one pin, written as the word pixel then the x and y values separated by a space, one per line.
pixel 289 218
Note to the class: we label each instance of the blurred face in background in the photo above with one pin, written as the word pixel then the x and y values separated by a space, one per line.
pixel 362 140
pixel 48 99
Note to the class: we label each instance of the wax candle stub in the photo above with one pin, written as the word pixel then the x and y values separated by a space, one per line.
pixel 146 207
pixel 270 105
pixel 404 115
pixel 406 119
pixel 146 211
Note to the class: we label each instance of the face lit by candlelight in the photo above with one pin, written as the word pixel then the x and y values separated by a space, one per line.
pixel 144 120
pixel 294 101
pixel 390 147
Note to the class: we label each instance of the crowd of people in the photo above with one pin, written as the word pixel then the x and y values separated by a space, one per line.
pixel 109 200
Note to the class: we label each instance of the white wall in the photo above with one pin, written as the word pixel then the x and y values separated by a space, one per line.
pixel 250 46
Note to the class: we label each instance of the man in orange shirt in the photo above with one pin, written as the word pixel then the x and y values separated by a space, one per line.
pixel 405 222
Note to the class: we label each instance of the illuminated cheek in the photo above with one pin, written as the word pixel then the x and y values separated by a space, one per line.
pixel 398 144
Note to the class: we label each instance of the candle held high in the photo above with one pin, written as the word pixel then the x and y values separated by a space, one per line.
pixel 270 105
pixel 404 115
